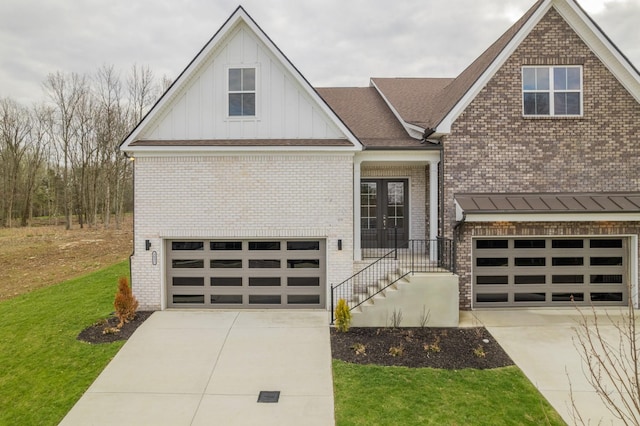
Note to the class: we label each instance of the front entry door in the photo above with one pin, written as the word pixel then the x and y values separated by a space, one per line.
pixel 384 213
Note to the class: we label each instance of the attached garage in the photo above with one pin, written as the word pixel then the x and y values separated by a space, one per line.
pixel 236 274
pixel 514 272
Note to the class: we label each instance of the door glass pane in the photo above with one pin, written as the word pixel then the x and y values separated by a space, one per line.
pixel 303 245
pixel 225 245
pixel 187 245
pixel 264 245
pixel 605 243
pixel 187 263
pixel 226 298
pixel 188 281
pixel 266 299
pixel 303 281
pixel 264 263
pixel 530 261
pixel 226 281
pixel 303 263
pixel 226 263
pixel 368 201
pixel 567 297
pixel 264 281
pixel 529 279
pixel 562 244
pixel 395 193
pixel 567 261
pixel 395 204
pixel 492 261
pixel 529 244
pixel 606 261
pixel 492 280
pixel 303 299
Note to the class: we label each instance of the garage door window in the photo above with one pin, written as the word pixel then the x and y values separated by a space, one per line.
pixel 550 271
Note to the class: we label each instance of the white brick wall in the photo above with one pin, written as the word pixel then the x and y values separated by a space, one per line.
pixel 240 196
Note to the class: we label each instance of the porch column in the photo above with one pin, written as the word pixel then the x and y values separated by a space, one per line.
pixel 433 208
pixel 357 255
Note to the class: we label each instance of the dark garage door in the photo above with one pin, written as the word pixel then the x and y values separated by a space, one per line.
pixel 509 272
pixel 246 273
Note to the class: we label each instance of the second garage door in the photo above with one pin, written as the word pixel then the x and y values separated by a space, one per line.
pixel 246 273
pixel 550 271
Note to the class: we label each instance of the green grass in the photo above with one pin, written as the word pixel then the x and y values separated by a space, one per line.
pixel 370 394
pixel 43 368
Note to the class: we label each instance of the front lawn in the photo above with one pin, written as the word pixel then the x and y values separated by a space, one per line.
pixel 44 369
pixel 371 394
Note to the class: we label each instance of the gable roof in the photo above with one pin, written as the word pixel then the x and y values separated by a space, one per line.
pixel 412 99
pixel 369 117
pixel 239 16
pixel 450 102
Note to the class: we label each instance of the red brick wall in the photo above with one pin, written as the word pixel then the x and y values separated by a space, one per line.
pixel 493 148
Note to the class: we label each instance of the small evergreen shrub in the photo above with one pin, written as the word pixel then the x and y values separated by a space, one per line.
pixel 343 316
pixel 125 302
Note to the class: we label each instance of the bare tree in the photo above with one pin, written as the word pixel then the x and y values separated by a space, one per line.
pixel 66 92
pixel 610 350
pixel 37 155
pixel 142 91
pixel 15 129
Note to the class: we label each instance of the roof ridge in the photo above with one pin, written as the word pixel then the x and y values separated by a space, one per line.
pixel 467 78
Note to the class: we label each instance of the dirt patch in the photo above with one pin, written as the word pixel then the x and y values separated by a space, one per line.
pixel 39 256
pixel 447 348
pixel 96 332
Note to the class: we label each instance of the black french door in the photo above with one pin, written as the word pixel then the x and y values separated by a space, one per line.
pixel 384 213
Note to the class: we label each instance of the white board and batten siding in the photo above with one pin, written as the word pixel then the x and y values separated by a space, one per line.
pixel 284 110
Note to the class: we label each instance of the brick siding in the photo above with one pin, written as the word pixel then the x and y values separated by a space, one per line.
pixel 493 148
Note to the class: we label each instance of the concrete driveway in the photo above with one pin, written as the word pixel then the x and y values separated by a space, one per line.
pixel 541 343
pixel 208 368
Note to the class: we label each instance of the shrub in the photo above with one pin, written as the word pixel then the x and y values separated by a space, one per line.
pixel 395 351
pixel 125 302
pixel 343 316
pixel 359 348
pixel 479 352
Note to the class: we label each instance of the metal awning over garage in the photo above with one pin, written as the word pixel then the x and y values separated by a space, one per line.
pixel 547 207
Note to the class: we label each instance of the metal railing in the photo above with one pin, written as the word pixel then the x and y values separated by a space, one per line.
pixel 392 265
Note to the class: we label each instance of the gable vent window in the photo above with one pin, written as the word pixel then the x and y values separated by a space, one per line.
pixel 242 92
pixel 552 91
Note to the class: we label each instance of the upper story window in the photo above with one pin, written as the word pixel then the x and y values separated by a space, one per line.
pixel 552 91
pixel 242 92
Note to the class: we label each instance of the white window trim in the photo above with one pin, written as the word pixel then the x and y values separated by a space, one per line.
pixel 255 117
pixel 551 91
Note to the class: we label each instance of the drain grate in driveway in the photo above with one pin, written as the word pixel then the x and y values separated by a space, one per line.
pixel 269 396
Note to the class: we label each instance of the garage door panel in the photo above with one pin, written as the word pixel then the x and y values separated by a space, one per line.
pixel 550 271
pixel 248 273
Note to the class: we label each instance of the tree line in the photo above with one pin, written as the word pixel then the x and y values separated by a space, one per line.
pixel 60 157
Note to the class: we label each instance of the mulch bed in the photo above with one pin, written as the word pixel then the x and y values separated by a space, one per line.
pixel 445 348
pixel 95 333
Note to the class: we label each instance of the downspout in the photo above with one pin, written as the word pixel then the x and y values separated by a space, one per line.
pixel 133 215
pixel 456 236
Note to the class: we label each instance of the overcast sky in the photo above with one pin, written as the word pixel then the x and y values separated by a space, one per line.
pixel 332 42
